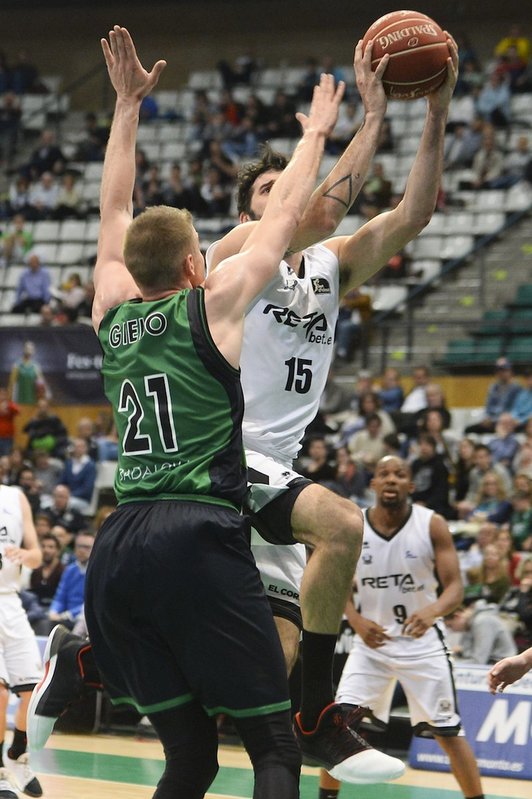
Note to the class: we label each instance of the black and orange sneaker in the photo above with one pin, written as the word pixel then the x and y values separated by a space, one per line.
pixel 63 683
pixel 334 746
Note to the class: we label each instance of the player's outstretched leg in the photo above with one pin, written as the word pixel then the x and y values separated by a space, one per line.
pixel 68 670
pixel 335 745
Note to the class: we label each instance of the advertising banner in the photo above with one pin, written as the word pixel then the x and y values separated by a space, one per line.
pixel 498 727
pixel 69 357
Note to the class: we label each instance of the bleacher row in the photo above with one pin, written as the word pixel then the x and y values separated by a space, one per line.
pixel 168 140
pixel 505 331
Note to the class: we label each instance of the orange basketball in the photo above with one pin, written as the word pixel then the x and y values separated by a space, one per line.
pixel 418 53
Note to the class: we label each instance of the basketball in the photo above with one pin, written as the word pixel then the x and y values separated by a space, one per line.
pixel 418 53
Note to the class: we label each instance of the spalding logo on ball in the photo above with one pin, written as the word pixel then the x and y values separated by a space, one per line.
pixel 418 53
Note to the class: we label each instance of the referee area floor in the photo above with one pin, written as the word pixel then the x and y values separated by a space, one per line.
pixel 116 766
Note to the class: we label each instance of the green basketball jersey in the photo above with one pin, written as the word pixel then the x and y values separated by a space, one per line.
pixel 177 403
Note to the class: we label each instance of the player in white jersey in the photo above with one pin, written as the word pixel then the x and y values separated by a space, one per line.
pixel 20 659
pixel 406 551
pixel 287 360
pixel 285 507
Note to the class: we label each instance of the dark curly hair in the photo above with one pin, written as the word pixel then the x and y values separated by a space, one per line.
pixel 248 173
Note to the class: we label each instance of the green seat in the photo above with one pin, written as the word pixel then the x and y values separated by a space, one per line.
pixel 487 349
pixel 493 322
pixel 519 349
pixel 523 295
pixel 459 351
pixel 520 321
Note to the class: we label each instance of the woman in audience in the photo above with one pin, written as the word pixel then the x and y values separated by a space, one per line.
pixel 506 546
pixel 463 465
pixel 493 504
pixel 491 580
pixel 521 518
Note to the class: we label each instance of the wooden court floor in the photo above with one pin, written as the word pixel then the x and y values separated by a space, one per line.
pixel 116 767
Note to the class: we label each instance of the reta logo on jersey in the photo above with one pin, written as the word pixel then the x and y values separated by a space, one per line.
pixel 314 324
pixel 404 582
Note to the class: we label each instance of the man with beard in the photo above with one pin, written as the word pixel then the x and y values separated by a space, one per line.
pixel 406 551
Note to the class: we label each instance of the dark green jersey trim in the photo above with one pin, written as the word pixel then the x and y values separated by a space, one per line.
pixel 155 708
pixel 262 710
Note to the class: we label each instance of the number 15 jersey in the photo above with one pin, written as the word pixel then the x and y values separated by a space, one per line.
pixel 287 352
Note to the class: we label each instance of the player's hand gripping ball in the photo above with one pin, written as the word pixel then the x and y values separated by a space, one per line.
pixel 418 53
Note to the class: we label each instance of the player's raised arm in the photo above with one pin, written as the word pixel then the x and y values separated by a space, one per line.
pixel 374 243
pixel 334 197
pixel 240 278
pixel 112 282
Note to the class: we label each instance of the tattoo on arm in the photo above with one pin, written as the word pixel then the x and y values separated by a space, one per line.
pixel 333 192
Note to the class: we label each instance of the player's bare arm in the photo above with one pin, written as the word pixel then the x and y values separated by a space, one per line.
pixel 112 282
pixel 331 200
pixel 370 248
pixel 336 194
pixel 509 670
pixel 230 288
pixel 448 570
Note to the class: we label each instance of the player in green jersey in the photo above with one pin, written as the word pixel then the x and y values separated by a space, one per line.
pixel 177 616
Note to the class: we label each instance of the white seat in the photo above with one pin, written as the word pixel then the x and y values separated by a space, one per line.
pixel 93 171
pixel 490 200
pixel 459 222
pixel 92 230
pixel 427 246
pixel 46 230
pixel 488 223
pixel 429 268
pixel 173 151
pixel 12 276
pixel 272 76
pixel 73 230
pixel 205 79
pixel 46 251
pixel 69 252
pixel 167 100
pixel 519 197
pixel 436 226
pixel 457 246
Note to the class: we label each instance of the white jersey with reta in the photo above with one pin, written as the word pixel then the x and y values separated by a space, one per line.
pixel 395 577
pixel 286 353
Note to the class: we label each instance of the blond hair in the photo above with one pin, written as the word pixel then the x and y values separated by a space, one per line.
pixel 157 242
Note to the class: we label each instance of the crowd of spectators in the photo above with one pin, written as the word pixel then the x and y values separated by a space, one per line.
pixel 57 474
pixel 479 478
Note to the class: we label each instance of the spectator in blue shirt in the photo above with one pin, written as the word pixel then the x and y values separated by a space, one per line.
pixel 521 409
pixel 500 399
pixel 33 290
pixel 504 446
pixel 79 474
pixel 67 603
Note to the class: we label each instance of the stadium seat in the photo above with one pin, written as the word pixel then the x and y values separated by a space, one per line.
pixel 519 350
pixel 493 322
pixel 520 322
pixel 72 230
pixel 459 351
pixel 523 296
pixel 45 230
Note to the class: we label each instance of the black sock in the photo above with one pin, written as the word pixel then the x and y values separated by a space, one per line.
pixel 328 793
pixel 316 676
pixel 480 796
pixel 19 745
pixel 2 753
